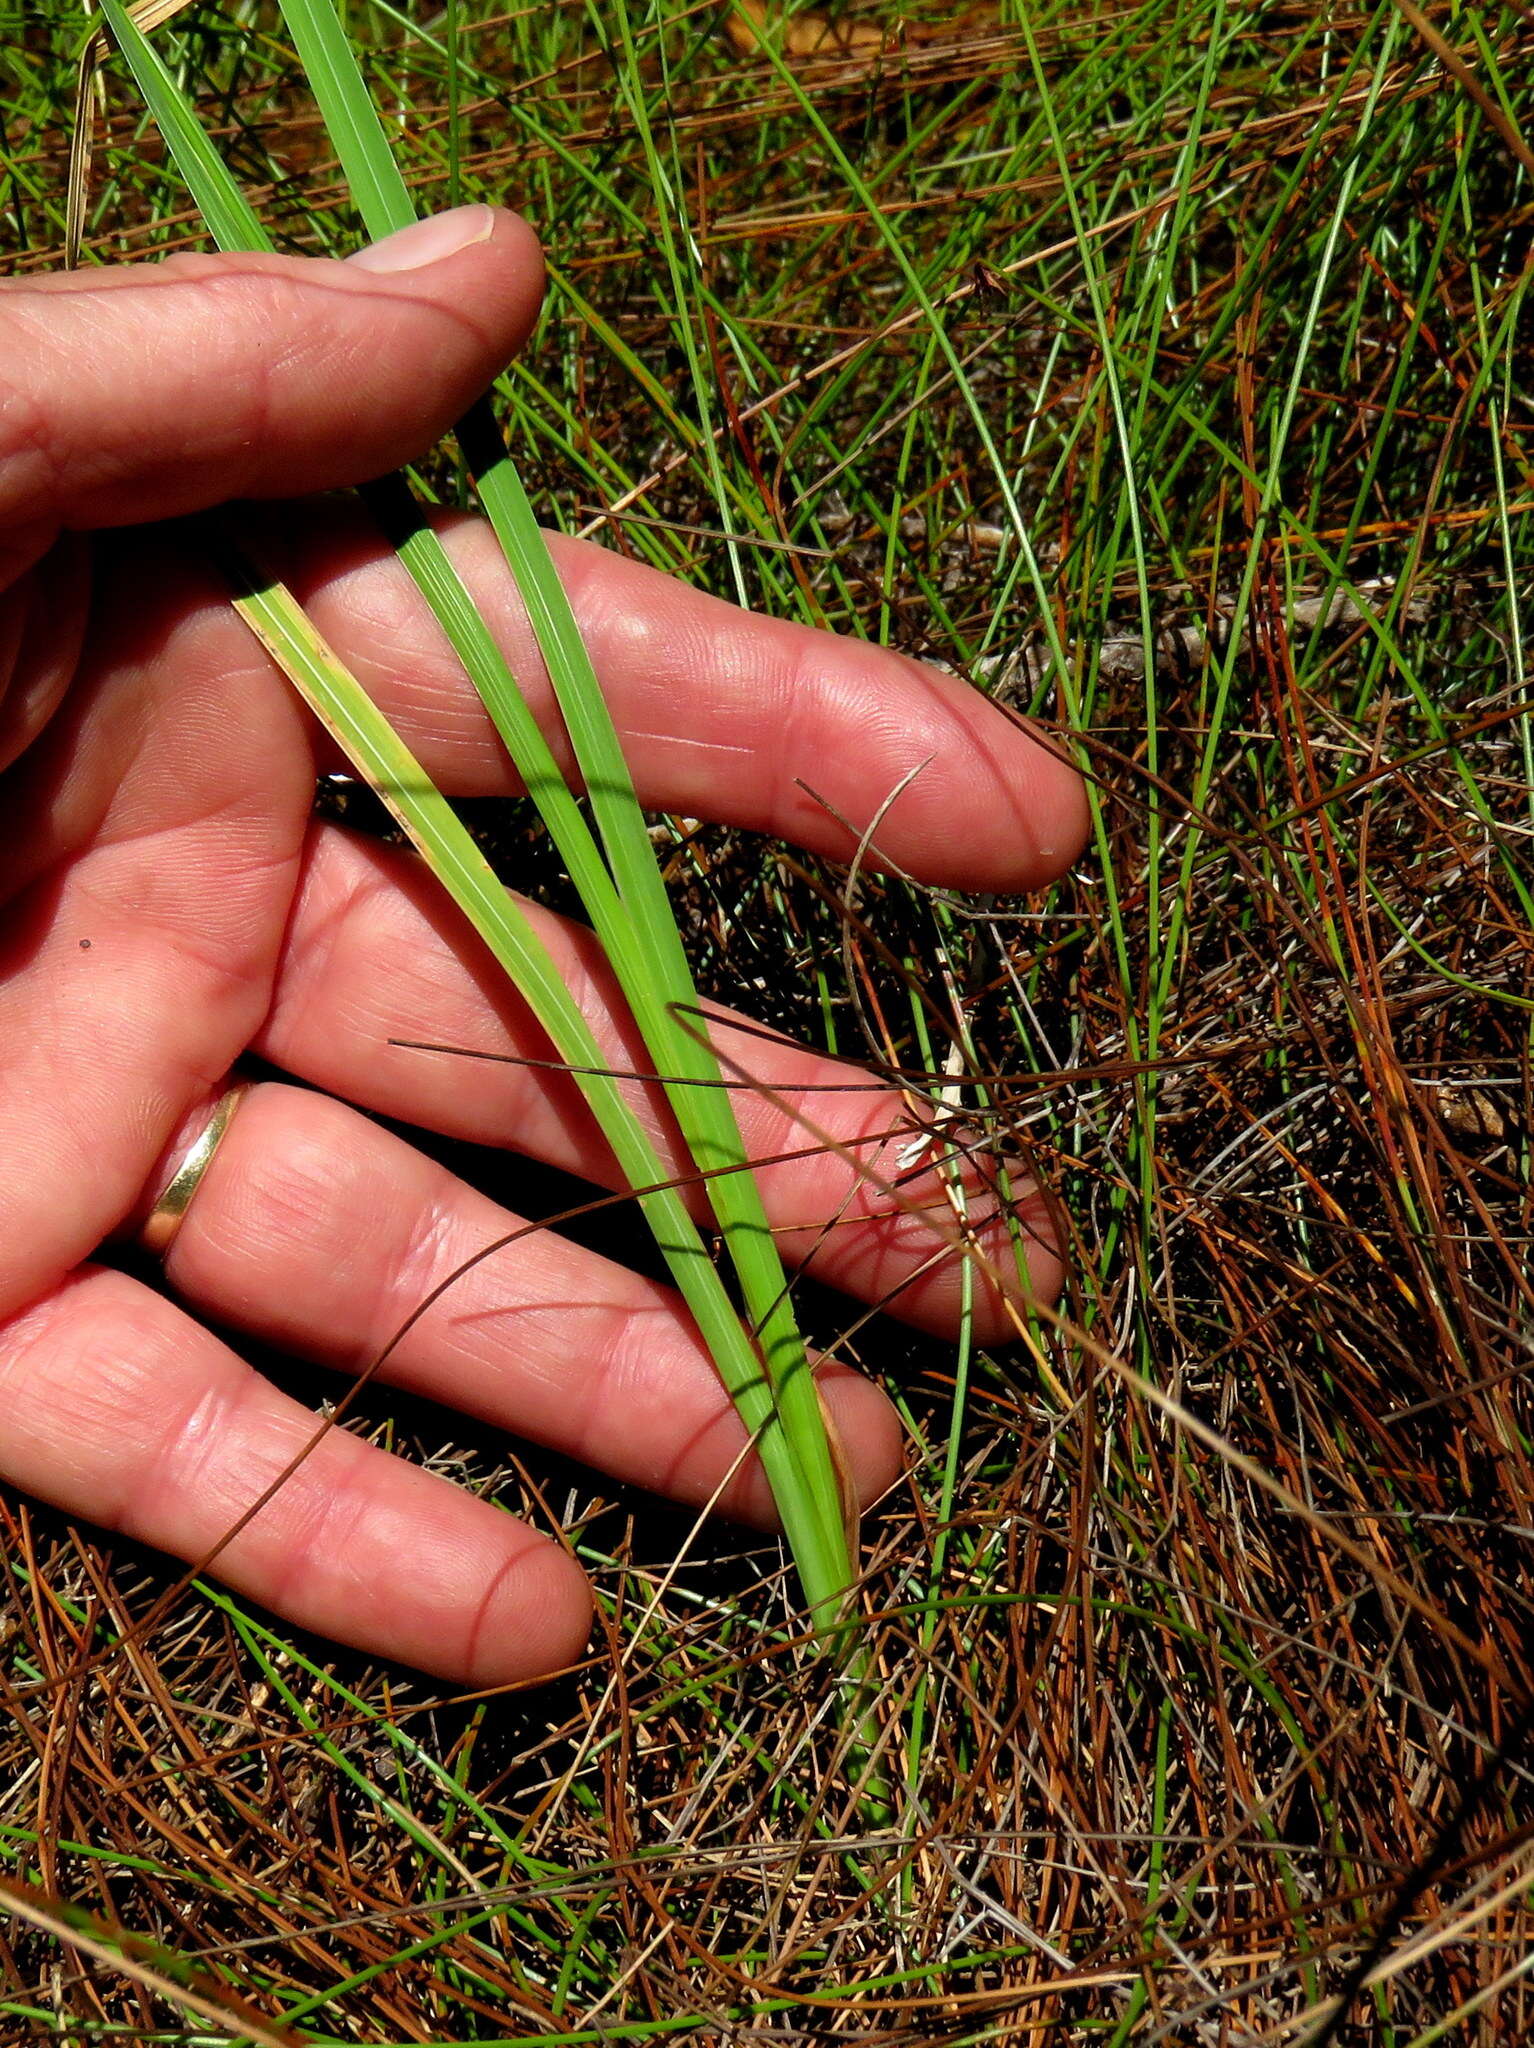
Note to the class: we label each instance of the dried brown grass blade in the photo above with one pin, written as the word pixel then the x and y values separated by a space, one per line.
pixel 149 14
pixel 1459 70
pixel 145 1962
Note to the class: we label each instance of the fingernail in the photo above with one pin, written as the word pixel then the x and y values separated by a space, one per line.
pixel 428 241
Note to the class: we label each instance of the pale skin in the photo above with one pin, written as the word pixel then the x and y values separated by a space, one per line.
pixel 168 903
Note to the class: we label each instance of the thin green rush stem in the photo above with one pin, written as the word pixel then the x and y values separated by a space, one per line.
pixel 1048 623
pixel 545 1881
pixel 1129 493
pixel 950 1167
pixel 864 194
pixel 666 187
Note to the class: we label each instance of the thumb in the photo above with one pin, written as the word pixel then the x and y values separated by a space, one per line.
pixel 157 389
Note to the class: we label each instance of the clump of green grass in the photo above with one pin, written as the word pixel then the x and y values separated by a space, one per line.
pixel 1181 1738
pixel 764 1365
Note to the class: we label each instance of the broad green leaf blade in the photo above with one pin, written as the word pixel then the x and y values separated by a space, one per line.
pixel 662 993
pixel 381 756
pixel 356 133
pixel 780 1406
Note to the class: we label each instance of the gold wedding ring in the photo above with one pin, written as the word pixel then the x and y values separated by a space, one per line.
pixel 169 1213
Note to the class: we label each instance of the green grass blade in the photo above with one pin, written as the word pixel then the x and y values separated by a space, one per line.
pixel 781 1408
pixel 351 120
pixel 382 757
pixel 231 219
pixel 653 972
pixel 658 981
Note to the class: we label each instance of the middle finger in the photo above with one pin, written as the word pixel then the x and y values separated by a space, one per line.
pixel 723 714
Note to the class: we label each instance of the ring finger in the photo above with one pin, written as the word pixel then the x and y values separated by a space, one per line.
pixel 322 1234
pixel 373 967
pixel 317 1231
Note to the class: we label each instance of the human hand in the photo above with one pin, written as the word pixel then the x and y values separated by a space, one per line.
pixel 169 904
